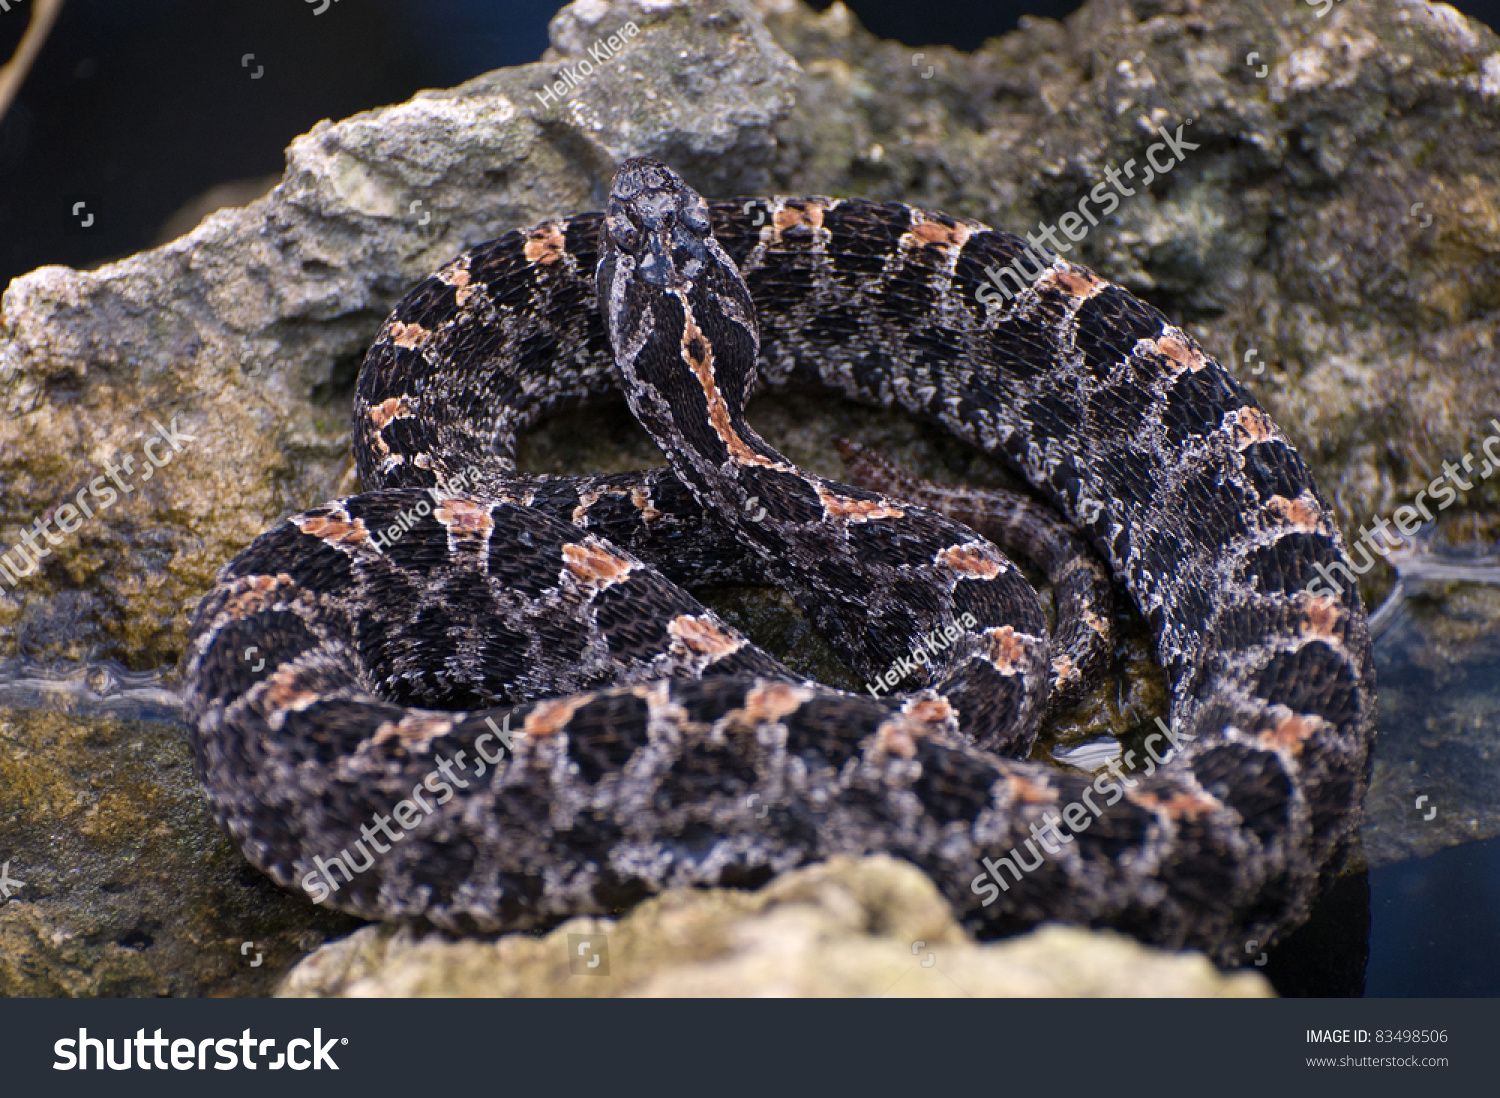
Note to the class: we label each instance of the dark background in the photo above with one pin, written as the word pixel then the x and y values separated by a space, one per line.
pixel 137 106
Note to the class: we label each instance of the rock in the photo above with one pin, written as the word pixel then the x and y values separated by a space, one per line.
pixel 850 927
pixel 120 881
pixel 250 329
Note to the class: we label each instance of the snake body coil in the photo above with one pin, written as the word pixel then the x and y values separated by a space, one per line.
pixel 405 629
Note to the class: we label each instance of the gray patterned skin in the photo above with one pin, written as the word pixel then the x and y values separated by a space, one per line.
pixel 1084 638
pixel 648 723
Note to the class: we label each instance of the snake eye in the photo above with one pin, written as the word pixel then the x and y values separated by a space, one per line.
pixel 696 218
pixel 622 233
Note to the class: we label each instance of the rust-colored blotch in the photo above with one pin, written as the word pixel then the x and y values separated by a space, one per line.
pixel 592 563
pixel 1300 513
pixel 549 717
pixel 409 335
pixel 1252 426
pixel 772 701
pixel 703 637
pixel 389 409
pixel 857 510
pixel 335 528
pixel 1027 791
pixel 464 517
pixel 935 234
pixel 970 559
pixel 1178 806
pixel 1074 281
pixel 1322 616
pixel 1179 352
pixel 545 244
pixel 1006 648
pixel 809 214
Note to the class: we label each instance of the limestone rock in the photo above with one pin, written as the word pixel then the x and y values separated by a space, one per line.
pixel 850 927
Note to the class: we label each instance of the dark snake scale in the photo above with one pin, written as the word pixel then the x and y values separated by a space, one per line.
pixel 408 632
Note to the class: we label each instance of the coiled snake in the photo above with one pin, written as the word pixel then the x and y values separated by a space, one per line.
pixel 408 631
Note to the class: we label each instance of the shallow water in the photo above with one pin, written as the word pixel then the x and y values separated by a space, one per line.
pixel 1435 918
pixel 1435 924
pixel 105 689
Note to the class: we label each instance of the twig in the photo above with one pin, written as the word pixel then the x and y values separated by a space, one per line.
pixel 43 15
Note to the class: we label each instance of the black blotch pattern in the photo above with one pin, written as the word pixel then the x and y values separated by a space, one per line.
pixel 276 636
pixel 1197 404
pixel 787 498
pixel 952 786
pixel 986 702
pixel 862 237
pixel 1288 564
pixel 706 702
pixel 1275 470
pixel 827 729
pixel 1251 782
pixel 1313 679
pixel 311 562
pixel 582 236
pixel 632 634
pixel 1110 324
pixel 900 542
pixel 704 769
pixel 605 733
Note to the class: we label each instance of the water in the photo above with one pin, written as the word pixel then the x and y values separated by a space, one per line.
pixel 106 689
pixel 1424 920
pixel 1435 924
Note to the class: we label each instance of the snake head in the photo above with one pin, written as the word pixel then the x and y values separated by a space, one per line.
pixel 656 220
pixel 678 313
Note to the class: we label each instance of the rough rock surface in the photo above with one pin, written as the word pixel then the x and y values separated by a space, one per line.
pixel 867 927
pixel 126 886
pixel 1293 230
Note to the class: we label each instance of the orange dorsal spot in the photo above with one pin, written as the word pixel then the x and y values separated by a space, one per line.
pixel 463 517
pixel 972 560
pixel 551 717
pixel 1301 513
pixel 389 409
pixel 703 637
pixel 594 564
pixel 545 244
pixel 857 510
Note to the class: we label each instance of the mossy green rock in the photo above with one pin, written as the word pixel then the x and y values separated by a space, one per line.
pixel 127 886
